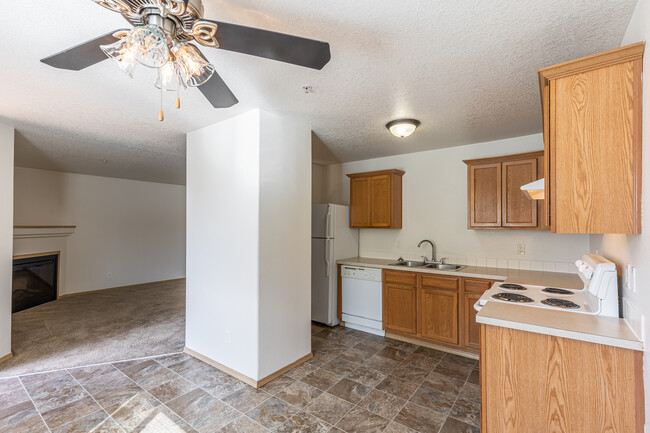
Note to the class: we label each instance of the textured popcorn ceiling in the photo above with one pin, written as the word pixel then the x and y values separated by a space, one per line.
pixel 466 68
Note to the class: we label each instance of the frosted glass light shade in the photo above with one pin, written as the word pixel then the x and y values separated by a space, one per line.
pixel 120 54
pixel 148 45
pixel 195 68
pixel 402 127
pixel 169 78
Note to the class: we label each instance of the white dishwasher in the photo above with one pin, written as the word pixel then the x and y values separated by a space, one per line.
pixel 362 299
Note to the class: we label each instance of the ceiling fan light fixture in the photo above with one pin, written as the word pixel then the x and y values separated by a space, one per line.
pixel 402 127
pixel 148 45
pixel 169 78
pixel 195 68
pixel 122 55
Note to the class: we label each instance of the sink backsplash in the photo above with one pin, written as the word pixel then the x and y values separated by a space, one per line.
pixel 492 262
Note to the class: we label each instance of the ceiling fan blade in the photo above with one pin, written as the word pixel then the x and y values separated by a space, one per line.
pixel 217 92
pixel 83 55
pixel 271 45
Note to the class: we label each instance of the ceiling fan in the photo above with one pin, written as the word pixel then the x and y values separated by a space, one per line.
pixel 161 38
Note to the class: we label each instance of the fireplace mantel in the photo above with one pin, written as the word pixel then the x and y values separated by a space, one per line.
pixel 27 232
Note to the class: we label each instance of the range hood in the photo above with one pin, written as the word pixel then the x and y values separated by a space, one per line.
pixel 535 190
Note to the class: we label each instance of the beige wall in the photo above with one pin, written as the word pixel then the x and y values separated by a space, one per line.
pixel 435 208
pixel 635 249
pixel 134 230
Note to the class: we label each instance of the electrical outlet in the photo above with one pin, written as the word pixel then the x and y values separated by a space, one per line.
pixel 521 249
pixel 227 337
pixel 398 244
pixel 109 275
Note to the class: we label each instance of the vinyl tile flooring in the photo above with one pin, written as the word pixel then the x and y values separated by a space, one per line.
pixel 356 383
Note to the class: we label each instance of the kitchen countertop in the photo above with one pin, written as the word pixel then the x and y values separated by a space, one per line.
pixel 584 327
pixel 538 278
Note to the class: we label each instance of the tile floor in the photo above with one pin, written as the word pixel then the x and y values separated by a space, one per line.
pixel 356 383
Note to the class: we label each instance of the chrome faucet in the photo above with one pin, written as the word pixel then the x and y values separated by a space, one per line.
pixel 433 251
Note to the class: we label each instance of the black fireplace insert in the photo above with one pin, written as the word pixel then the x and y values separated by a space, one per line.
pixel 35 281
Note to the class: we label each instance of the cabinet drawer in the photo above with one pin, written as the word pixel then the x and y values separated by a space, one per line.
pixel 439 282
pixel 477 286
pixel 410 278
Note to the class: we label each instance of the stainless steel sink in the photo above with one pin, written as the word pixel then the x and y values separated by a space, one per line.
pixel 446 266
pixel 409 264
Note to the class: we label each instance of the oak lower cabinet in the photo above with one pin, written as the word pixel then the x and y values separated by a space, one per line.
pixel 376 200
pixel 494 196
pixel 545 384
pixel 592 141
pixel 400 302
pixel 471 292
pixel 439 309
pixel 433 308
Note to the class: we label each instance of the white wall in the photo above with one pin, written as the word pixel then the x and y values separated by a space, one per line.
pixel 635 249
pixel 317 178
pixel 6 234
pixel 285 243
pixel 248 243
pixel 435 208
pixel 134 230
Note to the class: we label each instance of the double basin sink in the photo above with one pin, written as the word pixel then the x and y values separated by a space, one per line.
pixel 441 266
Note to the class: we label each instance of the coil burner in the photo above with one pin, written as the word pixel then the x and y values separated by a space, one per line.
pixel 556 291
pixel 561 303
pixel 511 297
pixel 510 286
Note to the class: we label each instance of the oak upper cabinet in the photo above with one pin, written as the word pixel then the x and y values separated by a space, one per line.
pixel 400 302
pixel 376 200
pixel 592 136
pixel 494 196
pixel 439 308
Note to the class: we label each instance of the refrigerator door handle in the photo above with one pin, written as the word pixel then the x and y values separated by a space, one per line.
pixel 328 223
pixel 327 257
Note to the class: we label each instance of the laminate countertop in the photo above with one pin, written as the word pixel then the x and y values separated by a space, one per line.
pixel 537 278
pixel 584 327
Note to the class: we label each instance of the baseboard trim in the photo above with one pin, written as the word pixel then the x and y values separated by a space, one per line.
pixel 432 345
pixel 67 295
pixel 283 370
pixel 7 357
pixel 247 380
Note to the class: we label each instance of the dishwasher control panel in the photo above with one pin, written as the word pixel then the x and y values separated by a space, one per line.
pixel 361 273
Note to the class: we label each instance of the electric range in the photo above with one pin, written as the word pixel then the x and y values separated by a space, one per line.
pixel 599 295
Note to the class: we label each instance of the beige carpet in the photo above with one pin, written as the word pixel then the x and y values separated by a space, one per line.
pixel 106 326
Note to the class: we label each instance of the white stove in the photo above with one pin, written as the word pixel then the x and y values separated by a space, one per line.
pixel 599 295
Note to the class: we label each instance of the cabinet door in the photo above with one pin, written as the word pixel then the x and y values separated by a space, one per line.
pixel 381 202
pixel 485 195
pixel 439 311
pixel 518 209
pixel 595 150
pixel 472 333
pixel 400 308
pixel 359 202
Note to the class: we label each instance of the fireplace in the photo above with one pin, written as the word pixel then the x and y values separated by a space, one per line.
pixel 35 280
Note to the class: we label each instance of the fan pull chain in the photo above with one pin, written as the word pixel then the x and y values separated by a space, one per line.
pixel 161 115
pixel 178 91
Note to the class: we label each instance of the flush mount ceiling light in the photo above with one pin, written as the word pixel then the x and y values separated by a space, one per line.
pixel 402 127
pixel 160 39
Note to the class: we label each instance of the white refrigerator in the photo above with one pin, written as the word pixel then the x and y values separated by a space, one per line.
pixel 332 239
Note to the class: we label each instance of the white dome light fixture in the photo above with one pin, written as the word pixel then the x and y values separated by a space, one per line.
pixel 402 127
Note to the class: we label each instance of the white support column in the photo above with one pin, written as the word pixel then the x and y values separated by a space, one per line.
pixel 248 243
pixel 6 234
